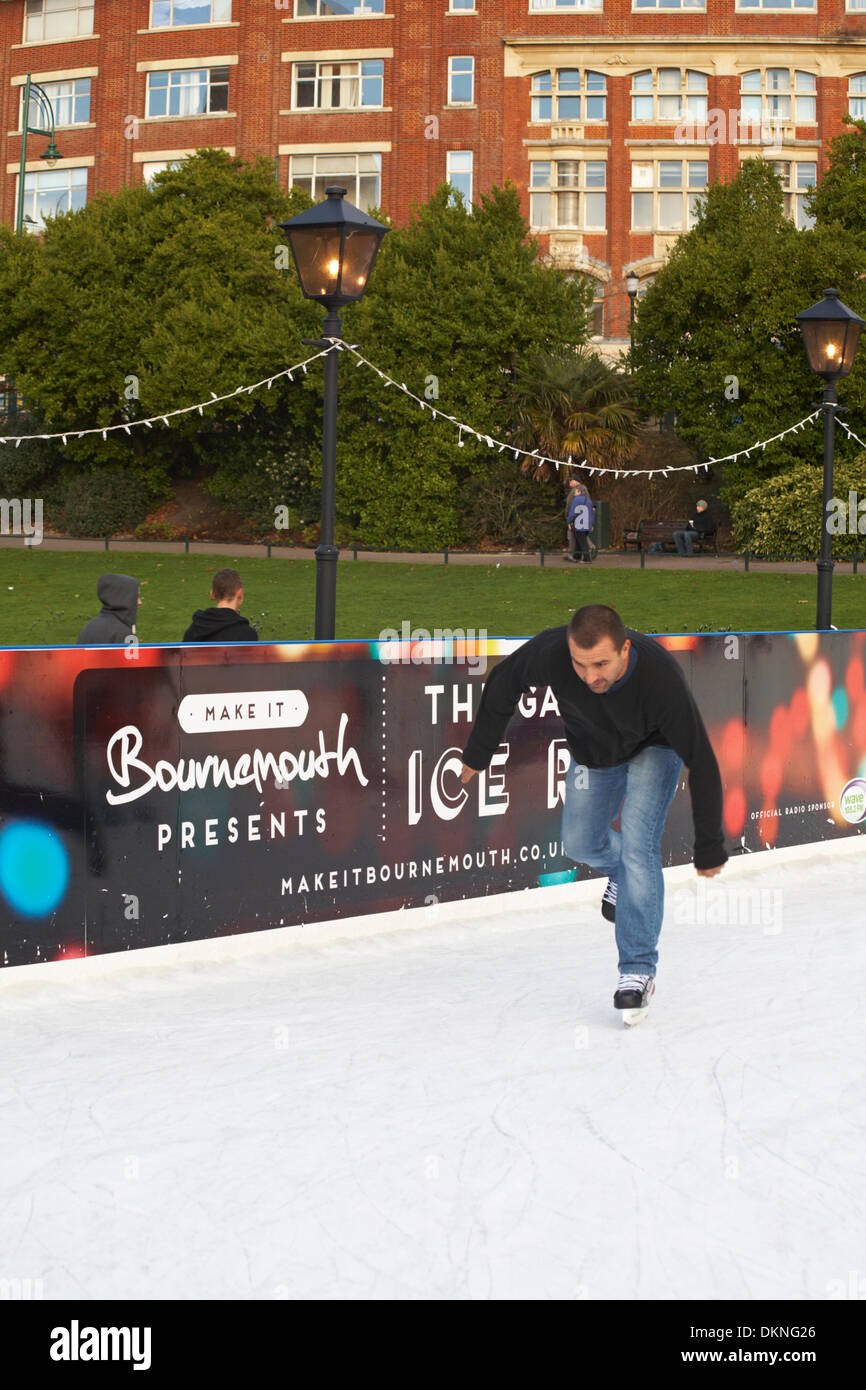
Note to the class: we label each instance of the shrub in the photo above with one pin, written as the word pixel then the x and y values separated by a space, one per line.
pixel 258 479
pixel 27 469
pixel 106 502
pixel 782 516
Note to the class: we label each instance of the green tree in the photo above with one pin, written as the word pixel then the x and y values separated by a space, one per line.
pixel 151 299
pixel 717 336
pixel 840 196
pixel 457 302
pixel 574 403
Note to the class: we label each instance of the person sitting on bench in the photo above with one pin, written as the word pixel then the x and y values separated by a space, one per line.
pixel 702 525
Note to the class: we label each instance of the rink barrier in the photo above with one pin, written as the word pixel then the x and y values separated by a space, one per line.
pixel 169 794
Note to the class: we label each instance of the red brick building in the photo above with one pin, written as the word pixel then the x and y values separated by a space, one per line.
pixel 610 116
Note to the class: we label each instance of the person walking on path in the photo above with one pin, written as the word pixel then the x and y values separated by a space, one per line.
pixel 115 623
pixel 222 623
pixel 700 526
pixel 631 724
pixel 580 516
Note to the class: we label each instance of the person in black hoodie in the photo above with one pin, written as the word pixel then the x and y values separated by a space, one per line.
pixel 631 724
pixel 223 623
pixel 115 624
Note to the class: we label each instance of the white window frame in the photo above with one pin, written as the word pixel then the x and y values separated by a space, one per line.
pixel 771 96
pixel 688 192
pixel 686 97
pixel 462 7
pixel 562 190
pixel 598 309
pixel 321 11
pixel 83 25
pixel 342 177
pixel 563 6
pixel 65 96
pixel 157 166
pixel 641 6
pixel 793 192
pixel 169 115
pixel 31 196
pixel 558 92
pixel 461 58
pixel 353 74
pixel 768 6
pixel 191 23
pixel 469 156
pixel 857 94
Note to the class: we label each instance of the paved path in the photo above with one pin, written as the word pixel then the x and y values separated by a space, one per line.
pixel 613 559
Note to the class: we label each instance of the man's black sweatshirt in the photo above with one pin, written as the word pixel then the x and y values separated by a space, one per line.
pixel 652 704
pixel 219 625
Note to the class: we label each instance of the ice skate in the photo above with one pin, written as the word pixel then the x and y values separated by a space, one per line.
pixel 608 901
pixel 632 997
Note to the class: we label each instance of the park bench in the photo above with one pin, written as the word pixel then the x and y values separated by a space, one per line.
pixel 662 533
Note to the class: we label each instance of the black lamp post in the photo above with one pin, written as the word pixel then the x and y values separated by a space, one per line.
pixel 830 332
pixel 632 284
pixel 35 94
pixel 334 246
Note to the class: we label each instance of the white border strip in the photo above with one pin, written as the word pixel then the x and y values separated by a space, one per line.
pixel 499 906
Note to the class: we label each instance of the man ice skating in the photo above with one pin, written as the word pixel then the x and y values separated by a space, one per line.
pixel 223 623
pixel 631 723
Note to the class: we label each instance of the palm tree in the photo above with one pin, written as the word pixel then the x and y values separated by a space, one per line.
pixel 573 402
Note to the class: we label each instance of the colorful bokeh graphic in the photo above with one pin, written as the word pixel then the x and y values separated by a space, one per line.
pixel 34 868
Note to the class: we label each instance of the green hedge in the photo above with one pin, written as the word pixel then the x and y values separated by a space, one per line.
pixel 107 502
pixel 782 517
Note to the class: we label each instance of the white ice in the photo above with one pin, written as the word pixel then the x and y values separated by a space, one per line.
pixel 444 1105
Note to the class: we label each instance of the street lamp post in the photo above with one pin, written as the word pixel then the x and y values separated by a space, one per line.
pixel 631 287
pixel 830 332
pixel 334 246
pixel 632 284
pixel 50 155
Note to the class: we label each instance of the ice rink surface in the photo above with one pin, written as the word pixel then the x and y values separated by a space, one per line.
pixel 452 1109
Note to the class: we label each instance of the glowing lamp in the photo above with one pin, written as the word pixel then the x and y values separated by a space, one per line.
pixel 334 246
pixel 831 332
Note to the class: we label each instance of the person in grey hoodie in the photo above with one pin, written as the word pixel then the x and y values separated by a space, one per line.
pixel 116 621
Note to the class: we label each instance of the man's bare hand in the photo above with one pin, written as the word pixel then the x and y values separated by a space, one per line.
pixel 467 773
pixel 710 873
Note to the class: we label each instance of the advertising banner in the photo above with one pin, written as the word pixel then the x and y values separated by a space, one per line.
pixel 161 794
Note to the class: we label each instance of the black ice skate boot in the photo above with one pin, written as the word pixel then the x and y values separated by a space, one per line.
pixel 608 901
pixel 632 997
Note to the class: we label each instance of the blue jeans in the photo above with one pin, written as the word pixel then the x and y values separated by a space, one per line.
pixel 643 790
pixel 684 541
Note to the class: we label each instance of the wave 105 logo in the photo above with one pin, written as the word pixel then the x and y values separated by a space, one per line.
pixel 852 801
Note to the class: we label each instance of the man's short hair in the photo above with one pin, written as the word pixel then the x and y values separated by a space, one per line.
pixel 592 623
pixel 225 584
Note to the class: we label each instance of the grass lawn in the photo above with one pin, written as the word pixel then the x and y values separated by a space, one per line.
pixel 47 596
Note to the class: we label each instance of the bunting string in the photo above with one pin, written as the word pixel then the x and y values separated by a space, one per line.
pixel 165 415
pixel 850 433
pixel 502 446
pixel 499 444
